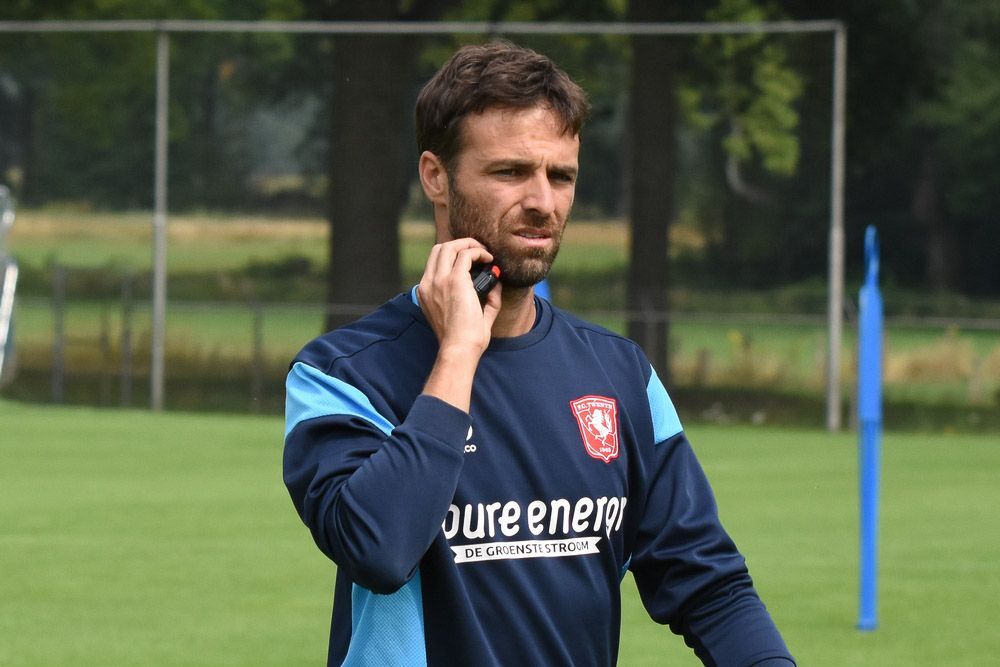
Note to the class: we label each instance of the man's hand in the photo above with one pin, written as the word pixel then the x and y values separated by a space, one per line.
pixel 449 301
pixel 462 325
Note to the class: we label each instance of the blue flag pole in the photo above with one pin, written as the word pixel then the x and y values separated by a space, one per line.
pixel 542 289
pixel 870 430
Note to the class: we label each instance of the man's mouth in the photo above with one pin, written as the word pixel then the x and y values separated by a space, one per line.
pixel 532 234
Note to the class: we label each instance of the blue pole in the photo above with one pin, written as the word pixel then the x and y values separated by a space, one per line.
pixel 870 430
pixel 542 290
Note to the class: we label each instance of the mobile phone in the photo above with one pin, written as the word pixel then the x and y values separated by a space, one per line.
pixel 484 278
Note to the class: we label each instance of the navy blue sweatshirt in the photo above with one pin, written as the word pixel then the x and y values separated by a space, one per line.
pixel 500 537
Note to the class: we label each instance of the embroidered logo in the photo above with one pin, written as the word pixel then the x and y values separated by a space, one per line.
pixel 597 417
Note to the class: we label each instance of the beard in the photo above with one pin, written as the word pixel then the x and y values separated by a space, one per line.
pixel 519 267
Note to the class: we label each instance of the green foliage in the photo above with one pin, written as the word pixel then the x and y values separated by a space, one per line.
pixel 81 105
pixel 76 124
pixel 747 84
pixel 922 135
pixel 965 114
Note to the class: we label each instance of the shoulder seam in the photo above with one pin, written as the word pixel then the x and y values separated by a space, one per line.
pixel 347 355
pixel 579 324
pixel 341 357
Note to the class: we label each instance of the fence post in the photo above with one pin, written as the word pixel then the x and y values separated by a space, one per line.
pixel 157 380
pixel 58 333
pixel 257 357
pixel 126 342
pixel 104 345
pixel 8 286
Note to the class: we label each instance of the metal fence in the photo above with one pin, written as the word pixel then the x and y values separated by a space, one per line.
pixel 168 33
pixel 233 356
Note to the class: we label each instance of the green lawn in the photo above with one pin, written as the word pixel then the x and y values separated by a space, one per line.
pixel 200 242
pixel 195 242
pixel 128 538
pixel 924 365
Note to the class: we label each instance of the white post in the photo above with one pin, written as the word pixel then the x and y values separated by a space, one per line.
pixel 836 268
pixel 156 375
pixel 8 279
pixel 9 284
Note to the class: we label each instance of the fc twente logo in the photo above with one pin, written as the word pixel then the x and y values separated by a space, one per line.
pixel 597 417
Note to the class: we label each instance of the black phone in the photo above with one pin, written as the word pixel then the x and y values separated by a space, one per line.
pixel 484 278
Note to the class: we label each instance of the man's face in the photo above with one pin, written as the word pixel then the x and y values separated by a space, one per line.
pixel 512 189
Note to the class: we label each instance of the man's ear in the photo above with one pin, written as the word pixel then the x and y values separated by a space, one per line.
pixel 433 178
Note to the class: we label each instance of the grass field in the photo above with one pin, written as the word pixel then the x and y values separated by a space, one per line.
pixel 924 365
pixel 197 242
pixel 128 538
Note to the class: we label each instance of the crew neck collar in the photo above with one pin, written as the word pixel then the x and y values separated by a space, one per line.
pixel 543 322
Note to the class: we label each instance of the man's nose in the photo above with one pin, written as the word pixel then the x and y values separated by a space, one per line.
pixel 538 196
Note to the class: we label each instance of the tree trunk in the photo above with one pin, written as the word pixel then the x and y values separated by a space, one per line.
pixel 208 166
pixel 367 160
pixel 652 121
pixel 929 215
pixel 31 190
pixel 370 152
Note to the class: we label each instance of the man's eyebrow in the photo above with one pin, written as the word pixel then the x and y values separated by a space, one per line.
pixel 564 169
pixel 507 163
pixel 518 163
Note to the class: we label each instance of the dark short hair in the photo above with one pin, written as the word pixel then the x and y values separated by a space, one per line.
pixel 498 74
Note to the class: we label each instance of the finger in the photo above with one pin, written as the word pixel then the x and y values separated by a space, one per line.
pixel 432 259
pixel 447 254
pixel 451 250
pixel 465 242
pixel 429 270
pixel 441 265
pixel 469 256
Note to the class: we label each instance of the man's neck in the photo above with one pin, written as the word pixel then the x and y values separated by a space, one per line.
pixel 517 314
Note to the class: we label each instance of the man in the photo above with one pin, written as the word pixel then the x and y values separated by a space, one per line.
pixel 484 475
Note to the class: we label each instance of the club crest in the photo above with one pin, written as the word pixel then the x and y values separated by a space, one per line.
pixel 597 417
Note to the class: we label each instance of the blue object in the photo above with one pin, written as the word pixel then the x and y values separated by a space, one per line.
pixel 870 430
pixel 542 290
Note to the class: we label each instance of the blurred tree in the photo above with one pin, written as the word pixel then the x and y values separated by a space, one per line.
pixel 81 104
pixel 68 135
pixel 739 83
pixel 923 132
pixel 374 80
pixel 369 161
pixel 923 136
pixel 652 144
pixel 957 127
pixel 740 97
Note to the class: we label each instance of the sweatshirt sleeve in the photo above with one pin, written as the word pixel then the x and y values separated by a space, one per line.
pixel 689 572
pixel 374 494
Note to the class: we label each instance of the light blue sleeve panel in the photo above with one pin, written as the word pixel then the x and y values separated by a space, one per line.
pixel 310 393
pixel 666 423
pixel 387 630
